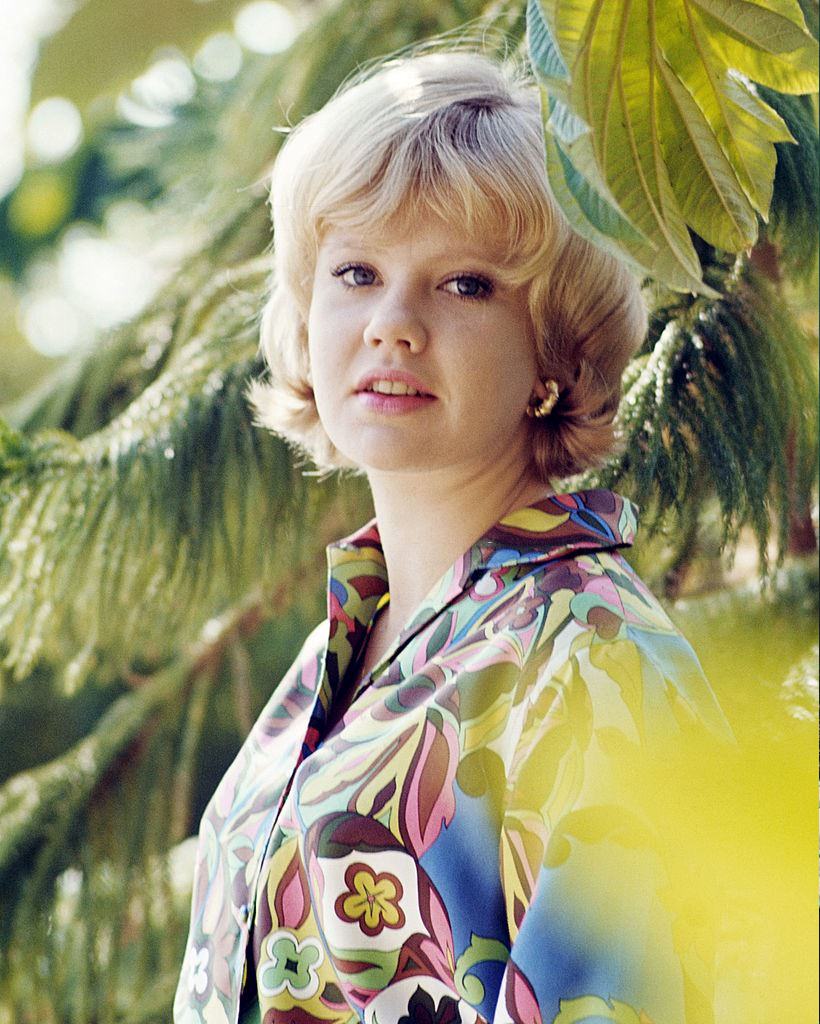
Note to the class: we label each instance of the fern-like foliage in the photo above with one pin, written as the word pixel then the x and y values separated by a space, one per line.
pixel 721 402
pixel 88 390
pixel 113 544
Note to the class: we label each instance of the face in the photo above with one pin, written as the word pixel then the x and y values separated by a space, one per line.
pixel 422 356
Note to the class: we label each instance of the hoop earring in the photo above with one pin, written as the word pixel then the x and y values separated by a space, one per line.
pixel 538 408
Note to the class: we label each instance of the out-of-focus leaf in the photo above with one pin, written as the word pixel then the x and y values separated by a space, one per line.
pixel 107 42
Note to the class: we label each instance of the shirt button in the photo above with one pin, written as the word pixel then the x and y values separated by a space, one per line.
pixel 244 913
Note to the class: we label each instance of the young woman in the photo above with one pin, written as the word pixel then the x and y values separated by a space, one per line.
pixel 437 816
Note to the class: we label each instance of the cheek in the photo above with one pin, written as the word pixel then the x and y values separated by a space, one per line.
pixel 333 330
pixel 502 372
pixel 324 351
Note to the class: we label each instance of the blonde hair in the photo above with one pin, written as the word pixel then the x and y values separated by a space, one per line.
pixel 458 135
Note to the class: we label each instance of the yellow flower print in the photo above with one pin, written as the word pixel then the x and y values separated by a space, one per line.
pixel 371 899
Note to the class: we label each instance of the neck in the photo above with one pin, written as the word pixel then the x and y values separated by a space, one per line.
pixel 427 522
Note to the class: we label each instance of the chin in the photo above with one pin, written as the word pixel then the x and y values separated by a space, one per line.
pixel 390 457
pixel 394 463
pixel 383 449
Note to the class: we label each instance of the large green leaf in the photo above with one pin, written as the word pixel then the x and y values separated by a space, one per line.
pixel 654 125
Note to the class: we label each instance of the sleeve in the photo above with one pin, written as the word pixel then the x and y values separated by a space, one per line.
pixel 598 844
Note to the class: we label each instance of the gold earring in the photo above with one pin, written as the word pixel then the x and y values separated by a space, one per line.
pixel 541 407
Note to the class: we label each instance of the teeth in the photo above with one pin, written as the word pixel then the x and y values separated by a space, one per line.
pixel 392 387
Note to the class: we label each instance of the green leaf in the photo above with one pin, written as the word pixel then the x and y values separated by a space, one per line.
pixel 543 52
pixel 705 183
pixel 563 123
pixel 744 127
pixel 575 176
pixel 600 213
pixel 778 26
pixel 651 106
pixel 610 84
pixel 792 72
pixel 479 951
pixel 594 201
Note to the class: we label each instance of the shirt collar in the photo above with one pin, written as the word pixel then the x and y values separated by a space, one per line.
pixel 561 524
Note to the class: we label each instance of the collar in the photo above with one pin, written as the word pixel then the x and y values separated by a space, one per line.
pixel 560 525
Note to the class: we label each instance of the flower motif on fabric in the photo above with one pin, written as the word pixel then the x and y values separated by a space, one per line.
pixel 290 965
pixel 422 1010
pixel 372 900
pixel 198 971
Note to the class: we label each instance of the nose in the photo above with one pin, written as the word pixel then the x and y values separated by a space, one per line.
pixel 394 321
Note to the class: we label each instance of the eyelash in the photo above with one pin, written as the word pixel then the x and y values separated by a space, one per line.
pixel 486 284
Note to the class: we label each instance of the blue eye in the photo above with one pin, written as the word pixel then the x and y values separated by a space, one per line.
pixel 470 286
pixel 362 275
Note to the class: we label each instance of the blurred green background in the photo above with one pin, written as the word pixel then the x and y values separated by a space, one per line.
pixel 82 86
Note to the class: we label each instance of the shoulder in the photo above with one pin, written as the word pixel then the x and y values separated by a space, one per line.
pixel 616 707
pixel 605 645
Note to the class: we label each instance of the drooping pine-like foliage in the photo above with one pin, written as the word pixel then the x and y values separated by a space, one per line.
pixel 181 479
pixel 795 209
pixel 720 402
pixel 155 544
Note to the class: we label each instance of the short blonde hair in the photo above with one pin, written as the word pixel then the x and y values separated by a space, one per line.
pixel 458 135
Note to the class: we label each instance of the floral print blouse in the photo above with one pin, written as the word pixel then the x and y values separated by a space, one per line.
pixel 462 845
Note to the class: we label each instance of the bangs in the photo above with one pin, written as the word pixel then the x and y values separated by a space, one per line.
pixel 461 163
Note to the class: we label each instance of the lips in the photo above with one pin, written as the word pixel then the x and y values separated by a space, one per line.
pixel 393 405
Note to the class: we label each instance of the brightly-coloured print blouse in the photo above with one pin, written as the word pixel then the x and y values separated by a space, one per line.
pixel 465 844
